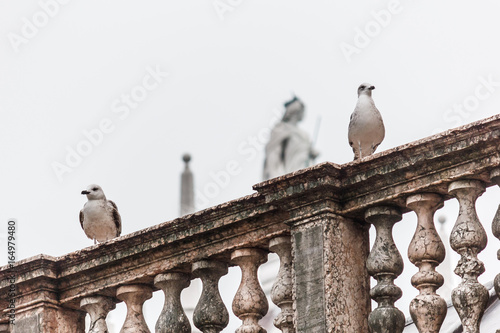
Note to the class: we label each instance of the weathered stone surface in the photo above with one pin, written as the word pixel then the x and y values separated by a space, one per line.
pixel 250 302
pixel 468 238
pixel 495 227
pixel 388 177
pixel 385 264
pixel 331 283
pixel 426 251
pixel 134 297
pixel 297 199
pixel 282 290
pixel 97 307
pixel 347 283
pixel 309 279
pixel 172 318
pixel 210 314
pixel 47 318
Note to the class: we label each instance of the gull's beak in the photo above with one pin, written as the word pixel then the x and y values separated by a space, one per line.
pixel 371 87
pixel 85 192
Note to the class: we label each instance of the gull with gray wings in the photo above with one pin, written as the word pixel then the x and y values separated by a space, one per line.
pixel 366 128
pixel 99 217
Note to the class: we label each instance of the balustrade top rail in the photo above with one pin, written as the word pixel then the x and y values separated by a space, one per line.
pixel 348 190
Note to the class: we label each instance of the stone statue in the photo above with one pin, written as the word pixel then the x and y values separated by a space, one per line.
pixel 289 148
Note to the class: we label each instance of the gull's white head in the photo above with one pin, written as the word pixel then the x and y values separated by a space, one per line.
pixel 94 192
pixel 365 89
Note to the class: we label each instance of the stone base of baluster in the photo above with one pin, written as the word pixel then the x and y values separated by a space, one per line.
pixel 284 321
pixel 470 299
pixel 428 311
pixel 383 318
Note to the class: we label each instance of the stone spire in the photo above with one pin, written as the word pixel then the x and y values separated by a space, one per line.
pixel 445 268
pixel 187 188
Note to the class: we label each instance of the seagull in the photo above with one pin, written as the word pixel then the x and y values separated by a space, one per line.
pixel 99 217
pixel 366 128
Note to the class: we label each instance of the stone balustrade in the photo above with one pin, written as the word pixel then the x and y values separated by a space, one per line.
pixel 317 220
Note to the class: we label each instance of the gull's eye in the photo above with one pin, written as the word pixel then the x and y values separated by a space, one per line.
pixel 95 189
pixel 362 87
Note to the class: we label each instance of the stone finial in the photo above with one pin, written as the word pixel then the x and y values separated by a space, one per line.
pixel 468 238
pixel 426 251
pixel 281 292
pixel 134 297
pixel 98 308
pixel 250 302
pixel 210 314
pixel 172 318
pixel 187 188
pixel 385 264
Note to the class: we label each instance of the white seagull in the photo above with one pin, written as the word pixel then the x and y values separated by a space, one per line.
pixel 99 217
pixel 366 128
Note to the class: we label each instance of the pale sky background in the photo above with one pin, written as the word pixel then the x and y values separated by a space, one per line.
pixel 229 74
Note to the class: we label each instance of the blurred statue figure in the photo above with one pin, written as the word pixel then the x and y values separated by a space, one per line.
pixel 289 148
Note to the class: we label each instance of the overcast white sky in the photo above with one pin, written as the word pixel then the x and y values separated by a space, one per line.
pixel 434 64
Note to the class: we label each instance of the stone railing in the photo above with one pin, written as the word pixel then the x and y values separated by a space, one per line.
pixel 317 221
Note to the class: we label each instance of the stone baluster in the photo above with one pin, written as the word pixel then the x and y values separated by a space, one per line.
pixel 426 251
pixel 385 264
pixel 172 318
pixel 281 292
pixel 249 303
pixel 210 314
pixel 134 297
pixel 97 307
pixel 495 227
pixel 468 238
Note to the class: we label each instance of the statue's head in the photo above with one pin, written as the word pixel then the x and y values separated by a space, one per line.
pixel 294 108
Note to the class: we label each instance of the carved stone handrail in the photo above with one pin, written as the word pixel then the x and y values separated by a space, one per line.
pixel 321 208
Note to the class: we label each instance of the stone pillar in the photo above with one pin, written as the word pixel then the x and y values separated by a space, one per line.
pixel 250 302
pixel 426 251
pixel 187 188
pixel 495 227
pixel 37 306
pixel 210 314
pixel 97 307
pixel 37 299
pixel 385 264
pixel 330 282
pixel 49 319
pixel 134 297
pixel 282 290
pixel 468 238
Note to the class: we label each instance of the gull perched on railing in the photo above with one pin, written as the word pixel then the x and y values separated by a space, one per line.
pixel 99 217
pixel 366 128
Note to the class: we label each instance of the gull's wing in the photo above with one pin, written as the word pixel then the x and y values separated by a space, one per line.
pixel 81 218
pixel 116 217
